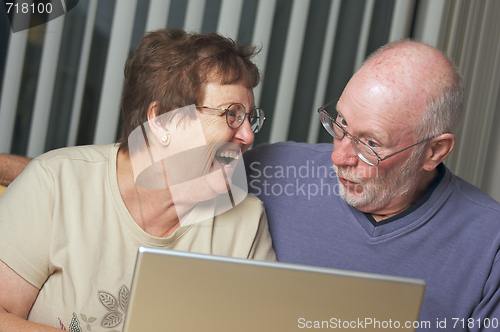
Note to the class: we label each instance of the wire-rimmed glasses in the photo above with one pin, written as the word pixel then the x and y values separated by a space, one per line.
pixel 363 150
pixel 236 113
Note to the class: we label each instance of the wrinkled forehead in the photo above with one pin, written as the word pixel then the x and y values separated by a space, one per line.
pixel 386 94
pixel 376 107
pixel 403 78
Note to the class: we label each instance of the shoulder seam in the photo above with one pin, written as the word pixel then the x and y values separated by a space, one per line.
pixel 472 200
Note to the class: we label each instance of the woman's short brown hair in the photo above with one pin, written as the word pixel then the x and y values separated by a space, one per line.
pixel 171 67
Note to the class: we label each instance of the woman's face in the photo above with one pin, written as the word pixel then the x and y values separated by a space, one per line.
pixel 200 158
pixel 214 122
pixel 228 143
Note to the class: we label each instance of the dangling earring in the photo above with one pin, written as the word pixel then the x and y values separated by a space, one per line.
pixel 165 139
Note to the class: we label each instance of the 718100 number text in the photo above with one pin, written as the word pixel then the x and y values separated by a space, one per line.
pixel 478 322
pixel 26 8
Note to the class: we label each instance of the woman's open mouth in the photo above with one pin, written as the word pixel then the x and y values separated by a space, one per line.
pixel 226 156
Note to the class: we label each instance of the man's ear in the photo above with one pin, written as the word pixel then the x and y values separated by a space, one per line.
pixel 439 148
pixel 159 131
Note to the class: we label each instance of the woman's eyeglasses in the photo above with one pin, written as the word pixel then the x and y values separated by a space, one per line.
pixel 236 114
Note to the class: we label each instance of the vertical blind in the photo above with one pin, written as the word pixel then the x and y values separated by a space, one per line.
pixel 62 81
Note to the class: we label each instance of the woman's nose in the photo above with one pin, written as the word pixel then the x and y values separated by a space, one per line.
pixel 245 132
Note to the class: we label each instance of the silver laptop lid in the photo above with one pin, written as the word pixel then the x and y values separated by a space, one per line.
pixel 181 291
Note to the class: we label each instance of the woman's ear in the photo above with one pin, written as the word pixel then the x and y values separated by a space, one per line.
pixel 160 132
pixel 152 110
pixel 439 148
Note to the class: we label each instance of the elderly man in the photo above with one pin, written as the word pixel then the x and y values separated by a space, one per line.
pixel 389 205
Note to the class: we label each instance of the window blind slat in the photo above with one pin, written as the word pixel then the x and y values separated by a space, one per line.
pixel 262 37
pixel 82 72
pixel 401 19
pixel 289 71
pixel 431 18
pixel 319 97
pixel 45 87
pixel 194 15
pixel 229 18
pixel 10 91
pixel 365 32
pixel 119 47
pixel 157 14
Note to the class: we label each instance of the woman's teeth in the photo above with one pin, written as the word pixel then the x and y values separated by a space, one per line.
pixel 226 157
pixel 228 154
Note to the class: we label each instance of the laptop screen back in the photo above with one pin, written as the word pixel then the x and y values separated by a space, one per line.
pixel 180 291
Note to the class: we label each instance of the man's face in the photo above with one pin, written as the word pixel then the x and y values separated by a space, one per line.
pixel 373 113
pixel 373 193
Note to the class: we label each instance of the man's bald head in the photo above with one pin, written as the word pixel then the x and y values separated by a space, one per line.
pixel 423 82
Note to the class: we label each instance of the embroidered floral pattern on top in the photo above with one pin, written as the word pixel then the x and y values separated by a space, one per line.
pixel 88 321
pixel 74 326
pixel 116 306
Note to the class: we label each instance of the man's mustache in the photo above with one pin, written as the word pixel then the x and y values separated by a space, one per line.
pixel 341 172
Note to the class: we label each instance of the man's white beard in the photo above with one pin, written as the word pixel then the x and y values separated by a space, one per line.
pixel 377 192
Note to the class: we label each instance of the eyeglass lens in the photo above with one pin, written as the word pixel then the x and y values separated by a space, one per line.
pixel 236 115
pixel 362 150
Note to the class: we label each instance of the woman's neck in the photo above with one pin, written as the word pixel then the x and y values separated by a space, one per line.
pixel 152 209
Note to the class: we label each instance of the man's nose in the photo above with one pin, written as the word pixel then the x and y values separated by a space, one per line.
pixel 343 152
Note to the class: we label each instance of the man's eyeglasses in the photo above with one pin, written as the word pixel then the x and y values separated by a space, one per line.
pixel 363 150
pixel 236 113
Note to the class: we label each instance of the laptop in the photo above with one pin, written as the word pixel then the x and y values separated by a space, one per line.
pixel 182 291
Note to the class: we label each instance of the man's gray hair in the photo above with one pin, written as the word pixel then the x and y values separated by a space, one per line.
pixel 444 111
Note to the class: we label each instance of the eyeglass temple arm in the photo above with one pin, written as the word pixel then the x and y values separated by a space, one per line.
pixel 322 108
pixel 212 108
pixel 225 109
pixel 422 141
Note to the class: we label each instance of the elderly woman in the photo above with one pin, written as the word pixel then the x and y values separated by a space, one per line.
pixel 71 223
